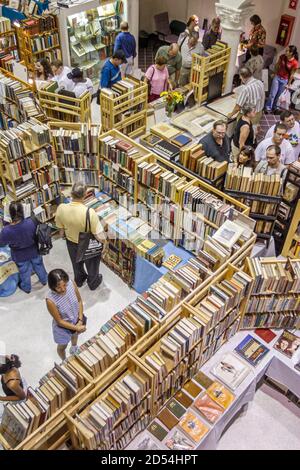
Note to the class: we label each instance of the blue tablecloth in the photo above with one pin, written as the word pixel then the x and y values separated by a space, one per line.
pixel 9 275
pixel 147 273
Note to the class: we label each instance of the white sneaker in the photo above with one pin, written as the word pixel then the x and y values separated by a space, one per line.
pixel 74 350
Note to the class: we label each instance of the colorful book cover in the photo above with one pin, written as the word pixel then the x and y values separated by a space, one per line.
pixel 209 408
pixel 179 442
pixel 220 394
pixel 252 350
pixel 231 370
pixel 193 427
pixel 266 334
pixel 288 344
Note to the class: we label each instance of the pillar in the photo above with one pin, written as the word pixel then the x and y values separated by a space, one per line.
pixel 233 14
pixel 133 20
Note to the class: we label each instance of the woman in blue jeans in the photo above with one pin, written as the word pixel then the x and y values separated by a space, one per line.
pixel 20 236
pixel 285 69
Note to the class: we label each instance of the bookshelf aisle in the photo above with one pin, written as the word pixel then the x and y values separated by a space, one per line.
pixel 8 44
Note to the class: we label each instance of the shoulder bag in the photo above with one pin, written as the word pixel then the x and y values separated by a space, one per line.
pixel 88 246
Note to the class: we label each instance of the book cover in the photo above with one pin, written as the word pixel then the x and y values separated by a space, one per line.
pixel 287 344
pixel 183 399
pixel 179 442
pixel 193 427
pixel 208 408
pixel 175 408
pixel 167 418
pixel 203 380
pixel 146 444
pixel 192 388
pixel 220 394
pixel 231 370
pixel 157 430
pixel 181 140
pixel 266 334
pixel 252 350
pixel 228 234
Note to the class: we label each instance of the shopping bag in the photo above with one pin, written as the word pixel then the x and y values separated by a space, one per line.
pixel 88 246
pixel 285 99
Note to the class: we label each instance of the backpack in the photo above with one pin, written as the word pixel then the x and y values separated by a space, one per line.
pixel 43 237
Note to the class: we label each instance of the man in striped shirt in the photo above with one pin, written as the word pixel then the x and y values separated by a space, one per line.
pixel 253 92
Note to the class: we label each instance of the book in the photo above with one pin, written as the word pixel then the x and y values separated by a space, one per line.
pixel 231 370
pixel 208 408
pixel 181 140
pixel 146 443
pixel 183 399
pixel 228 234
pixel 172 261
pixel 192 388
pixel 220 394
pixel 287 344
pixel 157 430
pixel 252 350
pixel 266 334
pixel 175 408
pixel 203 380
pixel 167 418
pixel 193 427
pixel 178 441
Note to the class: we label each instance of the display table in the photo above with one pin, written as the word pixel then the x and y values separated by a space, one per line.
pixel 274 365
pixel 9 273
pixel 147 273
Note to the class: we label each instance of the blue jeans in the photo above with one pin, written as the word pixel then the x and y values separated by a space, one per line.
pixel 277 88
pixel 25 269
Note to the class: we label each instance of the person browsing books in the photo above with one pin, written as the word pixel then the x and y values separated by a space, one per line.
pixel 60 75
pixel 66 308
pixel 293 131
pixel 71 220
pixel 81 84
pixel 43 70
pixel 244 132
pixel 257 36
pixel 21 238
pixel 157 77
pixel 213 35
pixel 272 165
pixel 192 25
pixel 188 48
pixel 174 61
pixel 246 157
pixel 256 63
pixel 278 138
pixel 216 144
pixel 111 71
pixel 11 381
pixel 125 41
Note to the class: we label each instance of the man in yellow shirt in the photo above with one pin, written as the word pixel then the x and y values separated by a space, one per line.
pixel 71 219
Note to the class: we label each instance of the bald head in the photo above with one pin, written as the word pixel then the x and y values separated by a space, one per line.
pixel 124 26
pixel 173 50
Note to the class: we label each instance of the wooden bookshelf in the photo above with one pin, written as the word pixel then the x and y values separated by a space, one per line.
pixel 65 108
pixel 291 246
pixel 205 67
pixel 8 44
pixel 81 164
pixel 267 307
pixel 126 113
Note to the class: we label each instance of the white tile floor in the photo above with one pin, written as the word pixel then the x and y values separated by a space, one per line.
pixel 25 326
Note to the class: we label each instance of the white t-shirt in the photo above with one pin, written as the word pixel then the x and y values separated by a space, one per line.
pixel 287 151
pixel 294 137
pixel 63 81
pixel 81 87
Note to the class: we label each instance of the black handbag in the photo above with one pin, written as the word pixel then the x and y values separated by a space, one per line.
pixel 88 246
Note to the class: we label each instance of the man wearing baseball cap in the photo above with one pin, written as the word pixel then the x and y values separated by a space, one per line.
pixel 111 71
pixel 80 84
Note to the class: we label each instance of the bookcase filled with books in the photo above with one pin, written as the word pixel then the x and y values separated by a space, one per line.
pixel 38 38
pixel 274 301
pixel 287 213
pixel 59 107
pixel 17 101
pixel 28 170
pixel 214 64
pixel 76 150
pixel 8 44
pixel 262 193
pixel 124 107
pixel 291 246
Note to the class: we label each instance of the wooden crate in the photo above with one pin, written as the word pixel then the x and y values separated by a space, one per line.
pixel 205 67
pixel 113 111
pixel 66 108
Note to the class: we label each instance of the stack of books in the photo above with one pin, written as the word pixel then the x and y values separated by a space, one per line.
pixel 120 152
pixel 5 25
pixel 243 179
pixel 193 158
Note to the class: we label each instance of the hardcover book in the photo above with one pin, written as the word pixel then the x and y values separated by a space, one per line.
pixel 183 399
pixel 192 388
pixel 265 333
pixel 220 394
pixel 167 418
pixel 288 344
pixel 179 442
pixel 176 408
pixel 209 408
pixel 231 370
pixel 157 430
pixel 203 380
pixel 193 427
pixel 252 350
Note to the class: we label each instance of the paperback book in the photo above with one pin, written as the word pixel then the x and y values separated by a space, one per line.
pixel 252 350
pixel 179 442
pixel 288 344
pixel 231 370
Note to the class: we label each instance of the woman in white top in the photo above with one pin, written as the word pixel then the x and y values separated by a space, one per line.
pixel 60 73
pixel 80 84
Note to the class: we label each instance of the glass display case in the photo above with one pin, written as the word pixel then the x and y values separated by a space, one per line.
pixel 91 35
